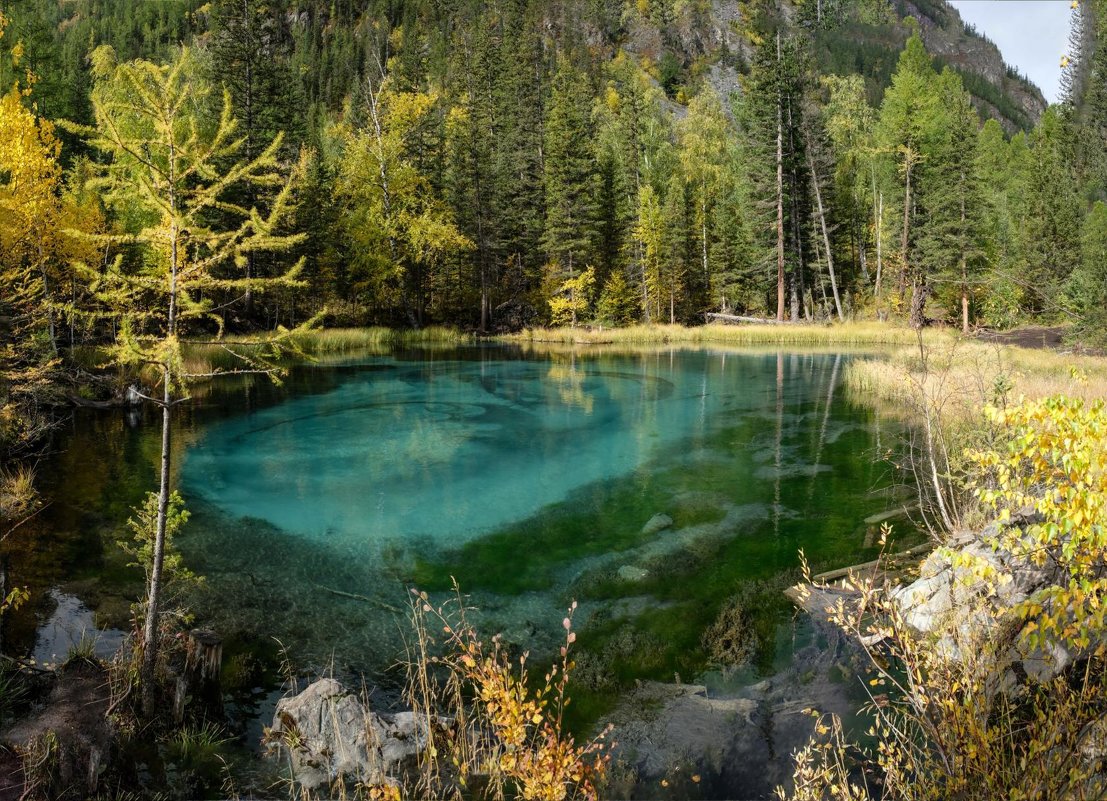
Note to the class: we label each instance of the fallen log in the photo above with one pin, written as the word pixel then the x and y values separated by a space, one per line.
pixel 737 319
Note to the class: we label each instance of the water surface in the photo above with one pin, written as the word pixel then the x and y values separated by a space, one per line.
pixel 527 477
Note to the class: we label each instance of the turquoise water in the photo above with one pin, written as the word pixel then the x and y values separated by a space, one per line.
pixel 529 479
pixel 450 450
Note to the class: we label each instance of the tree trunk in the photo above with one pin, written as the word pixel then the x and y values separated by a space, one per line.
pixel 779 192
pixel 148 675
pixel 964 267
pixel 919 293
pixel 904 239
pixel 879 249
pixel 826 235
pixel 148 672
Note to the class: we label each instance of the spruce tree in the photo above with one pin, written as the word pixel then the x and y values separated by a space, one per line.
pixel 950 248
pixel 570 171
pixel 908 121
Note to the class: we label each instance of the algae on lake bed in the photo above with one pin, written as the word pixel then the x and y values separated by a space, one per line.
pixel 529 479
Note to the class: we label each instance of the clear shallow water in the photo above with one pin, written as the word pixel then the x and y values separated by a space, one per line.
pixel 527 477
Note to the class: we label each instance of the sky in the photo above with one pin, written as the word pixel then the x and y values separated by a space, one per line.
pixel 1031 34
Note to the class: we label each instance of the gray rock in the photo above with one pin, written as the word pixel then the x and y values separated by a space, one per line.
pixel 632 573
pixel 328 735
pixel 927 602
pixel 658 522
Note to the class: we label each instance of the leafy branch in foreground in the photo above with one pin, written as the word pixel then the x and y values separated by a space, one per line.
pixel 509 732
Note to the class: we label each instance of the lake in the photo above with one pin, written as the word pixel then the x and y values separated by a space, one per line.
pixel 668 491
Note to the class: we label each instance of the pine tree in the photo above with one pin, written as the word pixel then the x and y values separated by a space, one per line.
pixel 162 175
pixel 1050 224
pixel 1088 288
pixel 952 207
pixel 518 160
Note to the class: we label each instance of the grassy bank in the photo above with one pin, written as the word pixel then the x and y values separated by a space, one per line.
pixel 848 334
pixel 961 376
pixel 205 357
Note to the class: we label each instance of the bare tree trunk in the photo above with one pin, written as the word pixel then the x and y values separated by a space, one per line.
pixel 964 268
pixel 879 243
pixel 779 192
pixel 703 238
pixel 826 235
pixel 150 643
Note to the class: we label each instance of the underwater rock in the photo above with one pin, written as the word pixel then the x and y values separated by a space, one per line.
pixel 328 734
pixel 659 522
pixel 632 573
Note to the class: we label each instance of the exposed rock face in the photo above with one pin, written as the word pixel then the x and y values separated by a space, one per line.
pixel 329 735
pixel 945 36
pixel 952 601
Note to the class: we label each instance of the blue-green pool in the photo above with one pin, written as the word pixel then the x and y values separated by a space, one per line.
pixel 528 476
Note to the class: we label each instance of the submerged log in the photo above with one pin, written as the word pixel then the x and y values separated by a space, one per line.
pixel 737 319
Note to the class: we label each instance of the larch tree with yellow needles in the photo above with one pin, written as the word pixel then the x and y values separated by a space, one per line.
pixel 171 172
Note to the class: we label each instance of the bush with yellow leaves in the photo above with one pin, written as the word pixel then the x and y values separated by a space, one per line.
pixel 507 737
pixel 1052 461
pixel 973 727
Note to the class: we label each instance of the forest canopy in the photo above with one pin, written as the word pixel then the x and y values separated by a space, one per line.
pixel 495 166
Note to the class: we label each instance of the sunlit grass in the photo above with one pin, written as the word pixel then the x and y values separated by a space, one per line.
pixel 968 374
pixel 847 334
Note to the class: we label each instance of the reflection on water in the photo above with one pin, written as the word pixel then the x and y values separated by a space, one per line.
pixel 528 478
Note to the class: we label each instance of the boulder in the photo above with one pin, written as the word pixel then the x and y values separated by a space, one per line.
pixel 658 522
pixel 329 735
pixel 632 573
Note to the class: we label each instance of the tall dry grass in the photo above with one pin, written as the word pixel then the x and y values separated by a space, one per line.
pixel 204 357
pixel 968 375
pixel 846 334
